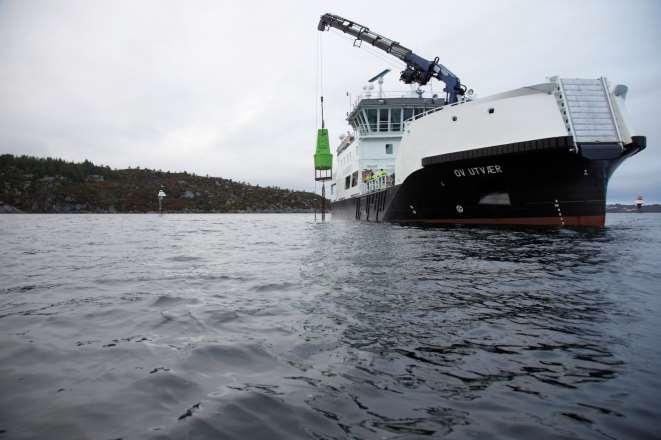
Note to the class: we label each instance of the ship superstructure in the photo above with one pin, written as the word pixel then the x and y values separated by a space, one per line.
pixel 366 155
pixel 541 154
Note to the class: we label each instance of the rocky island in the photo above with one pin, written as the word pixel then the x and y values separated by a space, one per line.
pixel 47 185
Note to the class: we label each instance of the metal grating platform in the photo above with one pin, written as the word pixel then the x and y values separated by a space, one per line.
pixel 587 109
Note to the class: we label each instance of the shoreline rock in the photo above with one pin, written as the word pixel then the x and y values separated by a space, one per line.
pixel 9 209
pixel 46 185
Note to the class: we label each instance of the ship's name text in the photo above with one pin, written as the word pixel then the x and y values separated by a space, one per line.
pixel 478 171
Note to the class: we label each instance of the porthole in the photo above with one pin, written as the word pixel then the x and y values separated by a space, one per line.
pixel 491 110
pixel 454 119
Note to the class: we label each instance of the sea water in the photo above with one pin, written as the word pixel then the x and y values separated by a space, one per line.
pixel 276 326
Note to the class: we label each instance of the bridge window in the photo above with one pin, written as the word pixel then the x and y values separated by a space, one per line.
pixel 383 119
pixel 347 182
pixel 408 113
pixel 371 118
pixel 419 111
pixel 361 121
pixel 395 118
pixel 389 149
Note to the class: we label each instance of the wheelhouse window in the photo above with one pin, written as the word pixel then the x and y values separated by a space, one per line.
pixel 371 118
pixel 347 182
pixel 395 118
pixel 362 122
pixel 408 113
pixel 419 111
pixel 354 179
pixel 389 149
pixel 383 119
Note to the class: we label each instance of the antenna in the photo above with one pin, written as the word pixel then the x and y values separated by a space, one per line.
pixel 379 77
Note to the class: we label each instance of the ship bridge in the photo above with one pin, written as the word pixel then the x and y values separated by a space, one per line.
pixel 385 116
pixel 369 149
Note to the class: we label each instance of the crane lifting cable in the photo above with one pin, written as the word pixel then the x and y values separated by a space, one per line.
pixel 323 159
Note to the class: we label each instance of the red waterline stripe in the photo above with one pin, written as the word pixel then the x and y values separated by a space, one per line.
pixel 581 220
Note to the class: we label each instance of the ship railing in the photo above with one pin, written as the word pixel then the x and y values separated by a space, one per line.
pixel 383 128
pixel 377 184
pixel 393 94
pixel 433 110
pixel 390 94
pixel 380 129
pixel 423 114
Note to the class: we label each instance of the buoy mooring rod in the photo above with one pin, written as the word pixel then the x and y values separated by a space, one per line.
pixel 323 201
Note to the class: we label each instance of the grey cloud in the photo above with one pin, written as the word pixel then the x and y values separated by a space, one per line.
pixel 228 88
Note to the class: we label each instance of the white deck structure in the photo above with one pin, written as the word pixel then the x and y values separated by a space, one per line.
pixel 394 134
pixel 370 148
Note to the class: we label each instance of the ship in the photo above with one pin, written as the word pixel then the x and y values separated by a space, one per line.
pixel 541 154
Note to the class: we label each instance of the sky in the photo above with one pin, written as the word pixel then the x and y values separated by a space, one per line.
pixel 230 89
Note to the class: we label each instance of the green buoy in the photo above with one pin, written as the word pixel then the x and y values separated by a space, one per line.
pixel 323 161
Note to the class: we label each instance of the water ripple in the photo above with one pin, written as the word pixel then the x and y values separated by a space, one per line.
pixel 273 326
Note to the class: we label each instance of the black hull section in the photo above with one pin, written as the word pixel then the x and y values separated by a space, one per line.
pixel 540 182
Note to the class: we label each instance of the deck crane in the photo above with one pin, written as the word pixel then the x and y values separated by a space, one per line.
pixel 418 69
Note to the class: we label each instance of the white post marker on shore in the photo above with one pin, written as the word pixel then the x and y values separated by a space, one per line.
pixel 161 196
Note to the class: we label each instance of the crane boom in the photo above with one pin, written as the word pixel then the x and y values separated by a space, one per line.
pixel 418 69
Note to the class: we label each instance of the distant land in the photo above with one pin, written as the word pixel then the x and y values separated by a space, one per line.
pixel 617 207
pixel 46 185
